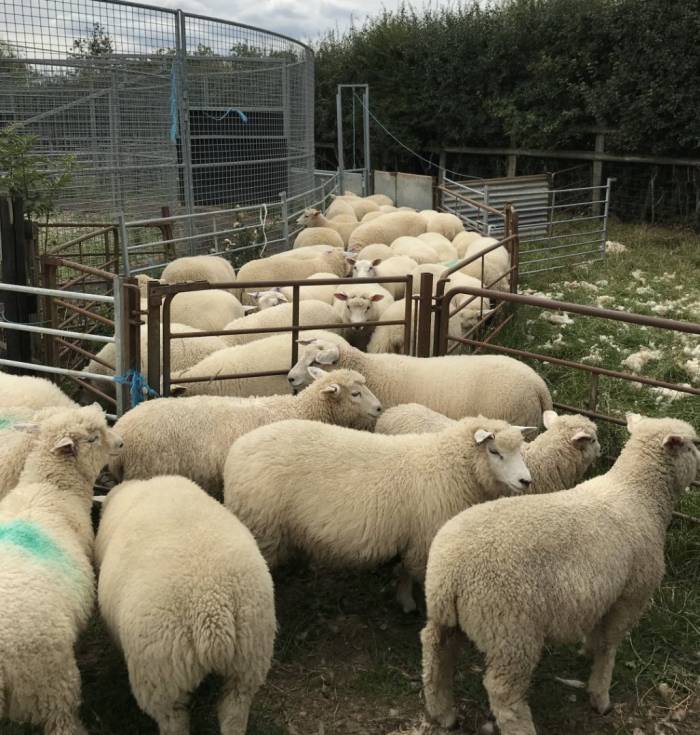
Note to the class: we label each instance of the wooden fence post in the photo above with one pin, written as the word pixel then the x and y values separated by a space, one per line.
pixel 597 175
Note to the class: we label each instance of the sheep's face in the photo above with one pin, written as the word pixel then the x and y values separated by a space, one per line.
pixel 472 313
pixel 358 308
pixel 316 353
pixel 579 432
pixel 364 268
pixel 502 450
pixel 267 299
pixel 347 391
pixel 307 216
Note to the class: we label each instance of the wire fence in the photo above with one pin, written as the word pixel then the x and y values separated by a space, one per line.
pixel 158 107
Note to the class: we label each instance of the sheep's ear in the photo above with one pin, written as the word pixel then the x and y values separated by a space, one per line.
pixel 351 261
pixel 315 372
pixel 333 389
pixel 253 294
pixel 376 261
pixel 481 435
pixel 632 420
pixel 548 418
pixel 282 297
pixel 26 426
pixel 65 447
pixel 525 429
pixel 305 342
pixel 99 499
pixel 327 357
pixel 341 296
pixel 376 297
pixel 248 308
pixel 581 437
pixel 673 441
pixel 178 390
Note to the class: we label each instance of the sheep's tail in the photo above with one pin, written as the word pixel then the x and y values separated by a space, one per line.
pixel 214 632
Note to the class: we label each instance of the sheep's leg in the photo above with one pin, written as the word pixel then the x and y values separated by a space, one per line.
pixel 404 589
pixel 603 643
pixel 168 707
pixel 507 680
pixel 59 703
pixel 234 707
pixel 441 646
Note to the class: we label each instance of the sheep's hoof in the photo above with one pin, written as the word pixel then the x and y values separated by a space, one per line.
pixel 447 721
pixel 601 703
pixel 408 606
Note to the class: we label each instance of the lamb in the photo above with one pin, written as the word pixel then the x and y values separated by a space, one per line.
pixel 27 391
pixel 262 355
pixel 500 257
pixel 360 206
pixel 557 459
pixel 319 236
pixel 598 552
pixel 210 268
pixel 456 385
pixel 380 200
pixel 318 293
pixel 416 249
pixel 372 215
pixel 283 268
pixel 446 224
pixel 308 251
pixel 356 499
pixel 375 251
pixel 267 299
pixel 461 242
pixel 441 245
pixel 191 436
pixel 180 611
pixel 47 586
pixel 363 268
pixel 312 218
pixel 360 303
pixel 206 310
pixel 386 229
pixel 310 313
pixel 396 266
pixel 340 205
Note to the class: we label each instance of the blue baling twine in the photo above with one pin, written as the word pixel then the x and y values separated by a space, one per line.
pixel 138 386
pixel 239 112
pixel 173 105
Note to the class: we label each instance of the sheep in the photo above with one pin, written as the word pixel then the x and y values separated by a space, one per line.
pixel 262 355
pixel 283 268
pixel 312 218
pixel 372 215
pixel 493 274
pixel 210 268
pixel 441 245
pixel 206 310
pixel 580 561
pixel 396 266
pixel 363 268
pixel 47 586
pixel 375 251
pixel 308 251
pixel 360 205
pixel 456 385
pixel 267 299
pixel 360 303
pixel 416 249
pixel 446 224
pixel 181 611
pixel 27 391
pixel 319 293
pixel 380 200
pixel 340 205
pixel 357 499
pixel 318 236
pixel 387 208
pixel 557 459
pixel 310 313
pixel 500 257
pixel 386 229
pixel 191 436
pixel 461 242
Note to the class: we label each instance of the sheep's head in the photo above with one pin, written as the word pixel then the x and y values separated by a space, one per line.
pixel 364 268
pixel 358 306
pixel 352 402
pixel 313 352
pixel 671 441
pixel 473 311
pixel 499 448
pixel 307 216
pixel 577 431
pixel 268 299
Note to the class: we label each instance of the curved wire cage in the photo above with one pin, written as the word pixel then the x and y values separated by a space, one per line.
pixel 158 107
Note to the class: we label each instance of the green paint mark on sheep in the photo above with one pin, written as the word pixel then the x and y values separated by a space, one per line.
pixel 7 422
pixel 32 539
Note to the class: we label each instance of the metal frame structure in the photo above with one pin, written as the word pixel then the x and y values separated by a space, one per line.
pixel 366 169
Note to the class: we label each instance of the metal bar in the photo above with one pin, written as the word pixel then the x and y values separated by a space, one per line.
pixel 606 212
pixel 230 376
pixel 76 241
pixel 84 312
pixel 119 366
pixel 285 218
pixel 56 332
pixel 365 125
pixel 94 390
pixel 407 316
pixel 561 257
pixel 56 292
pixel 425 306
pixel 84 353
pixel 124 243
pixel 295 324
pixel 56 370
pixel 153 335
pixel 166 344
pixel 61 108
pixel 476 205
pixel 339 133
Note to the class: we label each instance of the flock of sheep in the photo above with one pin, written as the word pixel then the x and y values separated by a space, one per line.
pixel 378 457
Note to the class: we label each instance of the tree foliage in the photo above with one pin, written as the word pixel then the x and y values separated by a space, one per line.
pixel 534 73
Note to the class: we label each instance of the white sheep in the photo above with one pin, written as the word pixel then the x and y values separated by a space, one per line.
pixel 416 249
pixel 462 240
pixel 372 215
pixel 318 293
pixel 380 200
pixel 284 268
pixel 178 610
pixel 263 355
pixel 394 267
pixel 308 251
pixel 499 258
pixel 363 268
pixel 340 205
pixel 445 223
pixel 352 498
pixel 206 310
pixel 359 205
pixel 210 268
pixel 557 459
pixel 191 436
pixel 310 313
pixel 47 586
pixel 388 208
pixel 312 218
pixel 267 299
pixel 386 229
pixel 358 303
pixel 375 251
pixel 456 385
pixel 27 391
pixel 318 236
pixel 518 573
pixel 442 246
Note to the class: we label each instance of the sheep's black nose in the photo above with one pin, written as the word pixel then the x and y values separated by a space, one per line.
pixel 291 380
pixel 525 483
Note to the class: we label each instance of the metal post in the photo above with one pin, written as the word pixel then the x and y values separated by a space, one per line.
pixel 295 324
pixel 511 226
pixel 184 117
pixel 124 243
pixel 407 332
pixel 425 307
pixel 166 343
pixel 606 212
pixel 339 130
pixel 49 278
pixel 485 214
pixel 120 367
pixel 369 189
pixel 153 326
pixel 511 164
pixel 285 218
pixel 597 174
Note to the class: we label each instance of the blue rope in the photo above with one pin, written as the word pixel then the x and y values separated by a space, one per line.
pixel 138 386
pixel 173 104
pixel 240 113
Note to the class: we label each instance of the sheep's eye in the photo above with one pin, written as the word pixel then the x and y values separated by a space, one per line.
pixel 92 439
pixel 355 394
pixel 495 453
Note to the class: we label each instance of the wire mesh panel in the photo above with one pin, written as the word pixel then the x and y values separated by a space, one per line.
pixel 159 108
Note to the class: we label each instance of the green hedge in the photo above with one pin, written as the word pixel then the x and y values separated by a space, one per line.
pixel 533 73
